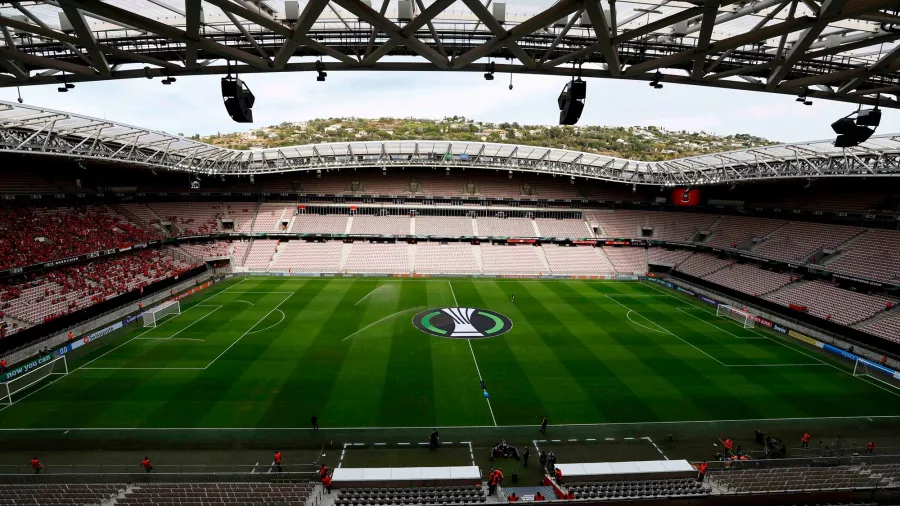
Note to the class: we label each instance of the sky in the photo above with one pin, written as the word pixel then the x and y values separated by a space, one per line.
pixel 193 105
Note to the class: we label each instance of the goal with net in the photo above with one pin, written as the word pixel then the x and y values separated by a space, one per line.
pixel 884 375
pixel 744 318
pixel 17 385
pixel 152 316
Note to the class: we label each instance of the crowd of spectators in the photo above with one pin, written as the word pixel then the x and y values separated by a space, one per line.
pixel 33 235
pixel 67 289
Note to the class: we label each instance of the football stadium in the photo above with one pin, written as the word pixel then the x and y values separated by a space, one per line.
pixel 410 312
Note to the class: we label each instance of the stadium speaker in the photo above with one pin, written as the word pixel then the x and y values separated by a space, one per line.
pixel 853 132
pixel 571 102
pixel 238 99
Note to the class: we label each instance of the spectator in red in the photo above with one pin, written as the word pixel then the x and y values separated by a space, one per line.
pixel 701 471
pixel 884 360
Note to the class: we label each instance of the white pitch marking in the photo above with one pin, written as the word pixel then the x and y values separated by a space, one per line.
pixel 716 326
pixel 248 331
pixel 477 369
pixel 270 326
pixel 776 341
pixel 143 368
pixel 668 332
pixel 657 448
pixel 631 311
pixel 168 339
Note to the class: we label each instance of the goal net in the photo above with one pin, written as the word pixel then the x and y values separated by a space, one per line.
pixel 151 317
pixel 738 315
pixel 10 390
pixel 885 376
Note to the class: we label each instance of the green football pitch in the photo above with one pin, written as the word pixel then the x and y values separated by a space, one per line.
pixel 269 352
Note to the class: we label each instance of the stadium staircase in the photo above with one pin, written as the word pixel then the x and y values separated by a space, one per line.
pixel 537 231
pixel 278 250
pixel 411 252
pixel 475 228
pixel 349 225
pixel 345 254
pixel 476 252
pixel 253 220
pixel 412 225
pixel 604 258
pixel 543 258
pixel 291 222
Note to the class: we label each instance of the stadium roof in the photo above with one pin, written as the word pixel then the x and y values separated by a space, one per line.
pixel 844 50
pixel 36 130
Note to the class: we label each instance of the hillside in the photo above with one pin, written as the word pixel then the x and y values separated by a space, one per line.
pixel 637 143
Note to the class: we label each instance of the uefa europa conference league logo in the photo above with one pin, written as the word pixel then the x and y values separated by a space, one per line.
pixel 462 323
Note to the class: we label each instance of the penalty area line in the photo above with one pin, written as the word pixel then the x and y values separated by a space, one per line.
pixel 248 331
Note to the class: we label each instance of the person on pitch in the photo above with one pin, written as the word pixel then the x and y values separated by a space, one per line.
pixel 525 456
pixel 512 298
pixel 146 464
pixel 544 425
pixel 434 440
pixel 315 423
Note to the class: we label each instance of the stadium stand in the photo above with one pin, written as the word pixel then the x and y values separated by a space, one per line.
pixel 664 225
pixel 830 302
pixel 702 264
pixel 797 241
pixel 191 218
pixel 241 214
pixel 377 184
pixel 68 289
pixel 217 249
pixel 301 256
pixel 380 225
pixel 662 256
pixel 574 229
pixel 887 327
pixel 260 254
pixel 410 495
pixel 508 227
pixel 750 279
pixel 643 489
pixel 32 235
pixel 450 258
pixel 319 224
pixel 579 260
pixel 215 494
pixel 59 494
pixel 270 218
pixel 626 260
pixel 378 258
pixel 514 260
pixel 740 231
pixel 812 478
pixel 448 226
pixel 873 255
pixel 240 250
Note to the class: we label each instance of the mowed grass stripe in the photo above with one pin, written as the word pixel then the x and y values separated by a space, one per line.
pixel 699 377
pixel 600 382
pixel 267 356
pixel 359 386
pixel 188 403
pixel 609 342
pixel 458 395
pixel 309 388
pixel 561 396
pixel 409 384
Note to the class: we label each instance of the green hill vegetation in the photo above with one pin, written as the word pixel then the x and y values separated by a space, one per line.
pixel 637 143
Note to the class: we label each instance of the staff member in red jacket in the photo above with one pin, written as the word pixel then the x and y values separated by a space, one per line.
pixel 146 464
pixel 326 484
pixel 701 471
pixel 278 461
pixel 804 441
pixel 36 465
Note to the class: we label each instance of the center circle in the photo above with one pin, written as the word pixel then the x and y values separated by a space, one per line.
pixel 462 323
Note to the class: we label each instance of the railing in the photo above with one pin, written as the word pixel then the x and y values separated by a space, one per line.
pixel 134 473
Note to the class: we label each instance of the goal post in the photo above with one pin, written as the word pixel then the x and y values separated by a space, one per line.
pixel 732 313
pixel 10 389
pixel 152 316
pixel 863 368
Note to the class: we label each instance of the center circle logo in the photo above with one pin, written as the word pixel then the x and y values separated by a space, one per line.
pixel 462 323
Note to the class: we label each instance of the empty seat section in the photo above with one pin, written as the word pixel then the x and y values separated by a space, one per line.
pixel 380 225
pixel 508 227
pixel 451 258
pixel 573 229
pixel 313 257
pixel 521 260
pixel 627 260
pixel 368 257
pixel 449 226
pixel 576 260
pixel 261 253
pixel 319 224
pixel 828 301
